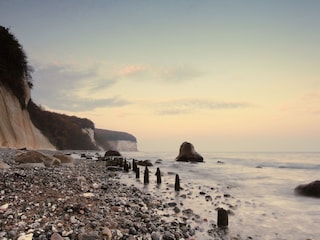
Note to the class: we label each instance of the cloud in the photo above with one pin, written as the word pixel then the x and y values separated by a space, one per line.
pixel 177 74
pixel 77 105
pixel 64 87
pixel 73 87
pixel 167 74
pixel 185 106
pixel 132 70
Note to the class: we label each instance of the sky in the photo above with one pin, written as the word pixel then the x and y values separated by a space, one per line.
pixel 223 75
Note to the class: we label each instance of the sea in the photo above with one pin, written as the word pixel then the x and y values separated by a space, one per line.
pixel 256 188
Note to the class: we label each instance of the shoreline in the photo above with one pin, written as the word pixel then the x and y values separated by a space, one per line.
pixel 84 201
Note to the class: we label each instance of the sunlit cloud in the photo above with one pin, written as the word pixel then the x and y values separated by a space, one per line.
pixel 131 70
pixel 77 105
pixel 186 106
pixel 180 73
pixel 166 74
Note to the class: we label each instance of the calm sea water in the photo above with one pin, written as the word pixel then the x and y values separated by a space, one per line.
pixel 258 189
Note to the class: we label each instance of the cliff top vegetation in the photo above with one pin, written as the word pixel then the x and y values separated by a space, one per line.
pixel 14 67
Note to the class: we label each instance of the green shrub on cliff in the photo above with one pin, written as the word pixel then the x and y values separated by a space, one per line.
pixel 14 68
pixel 64 132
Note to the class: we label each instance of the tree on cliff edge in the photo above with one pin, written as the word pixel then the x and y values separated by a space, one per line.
pixel 14 68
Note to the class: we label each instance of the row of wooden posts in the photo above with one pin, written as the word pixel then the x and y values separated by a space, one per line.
pixel 222 219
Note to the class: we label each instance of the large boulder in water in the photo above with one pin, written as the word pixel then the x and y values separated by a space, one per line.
pixel 188 154
pixel 311 189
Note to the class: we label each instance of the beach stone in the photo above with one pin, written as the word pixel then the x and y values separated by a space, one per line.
pixel 155 236
pixel 176 209
pixel 115 208
pixel 132 231
pixel 158 161
pixel 64 159
pixel 4 207
pixel 187 212
pixel 188 154
pixel 112 153
pixel 56 236
pixel 168 236
pixel 31 165
pixel 208 198
pixel 36 157
pixel 88 236
pixel 172 204
pixel 3 165
pixel 106 232
pixel 25 236
pixel 311 189
pixel 144 163
pixel 118 234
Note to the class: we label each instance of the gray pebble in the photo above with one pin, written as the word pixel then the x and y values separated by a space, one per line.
pixel 168 236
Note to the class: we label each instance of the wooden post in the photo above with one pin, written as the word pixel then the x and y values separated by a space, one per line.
pixel 146 175
pixel 158 174
pixel 134 165
pixel 129 166
pixel 126 167
pixel 137 172
pixel 177 183
pixel 222 218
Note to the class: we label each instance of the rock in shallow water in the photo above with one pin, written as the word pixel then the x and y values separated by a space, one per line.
pixel 188 154
pixel 311 189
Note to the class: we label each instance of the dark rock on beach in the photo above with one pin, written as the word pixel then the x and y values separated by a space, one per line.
pixel 144 163
pixel 188 154
pixel 112 153
pixel 311 189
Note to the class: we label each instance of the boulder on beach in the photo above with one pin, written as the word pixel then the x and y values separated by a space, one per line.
pixel 112 153
pixel 188 154
pixel 3 165
pixel 31 157
pixel 310 190
pixel 64 159
pixel 147 163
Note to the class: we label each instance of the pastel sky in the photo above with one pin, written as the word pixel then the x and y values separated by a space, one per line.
pixel 224 75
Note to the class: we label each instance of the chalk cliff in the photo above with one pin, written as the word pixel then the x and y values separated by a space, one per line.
pixel 25 124
pixel 115 140
pixel 122 145
pixel 16 128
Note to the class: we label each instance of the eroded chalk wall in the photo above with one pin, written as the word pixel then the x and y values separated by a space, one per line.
pixel 16 128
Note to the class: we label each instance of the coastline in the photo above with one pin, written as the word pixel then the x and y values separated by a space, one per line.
pixel 86 201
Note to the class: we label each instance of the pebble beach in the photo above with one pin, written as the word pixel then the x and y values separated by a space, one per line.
pixel 84 201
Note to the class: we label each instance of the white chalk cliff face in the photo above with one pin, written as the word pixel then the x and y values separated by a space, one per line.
pixel 123 146
pixel 16 128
